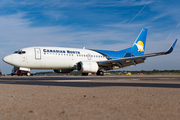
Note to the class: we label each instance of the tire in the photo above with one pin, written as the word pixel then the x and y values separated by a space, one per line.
pixel 28 74
pixel 100 73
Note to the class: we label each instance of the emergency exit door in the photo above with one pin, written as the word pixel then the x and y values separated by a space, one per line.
pixel 37 53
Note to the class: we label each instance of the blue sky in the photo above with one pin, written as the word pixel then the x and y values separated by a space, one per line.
pixel 98 24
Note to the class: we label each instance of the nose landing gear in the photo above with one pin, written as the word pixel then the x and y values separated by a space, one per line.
pixel 28 74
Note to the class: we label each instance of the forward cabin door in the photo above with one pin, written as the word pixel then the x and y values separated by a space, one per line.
pixel 37 53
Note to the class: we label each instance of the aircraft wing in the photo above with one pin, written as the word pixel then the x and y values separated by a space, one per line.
pixel 128 61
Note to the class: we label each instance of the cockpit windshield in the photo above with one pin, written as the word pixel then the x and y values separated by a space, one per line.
pixel 19 52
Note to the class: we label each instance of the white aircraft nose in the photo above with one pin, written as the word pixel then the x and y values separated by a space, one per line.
pixel 8 59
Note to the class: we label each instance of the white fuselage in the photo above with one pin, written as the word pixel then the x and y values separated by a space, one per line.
pixel 51 57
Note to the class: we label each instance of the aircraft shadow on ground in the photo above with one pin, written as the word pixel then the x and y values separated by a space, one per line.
pixel 43 81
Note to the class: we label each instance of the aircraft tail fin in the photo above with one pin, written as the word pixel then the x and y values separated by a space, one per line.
pixel 138 47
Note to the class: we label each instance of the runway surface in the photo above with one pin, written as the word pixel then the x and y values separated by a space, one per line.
pixel 90 97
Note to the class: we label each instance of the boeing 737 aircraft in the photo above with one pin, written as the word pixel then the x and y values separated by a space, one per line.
pixel 65 60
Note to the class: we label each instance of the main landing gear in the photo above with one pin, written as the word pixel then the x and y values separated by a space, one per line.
pixel 100 73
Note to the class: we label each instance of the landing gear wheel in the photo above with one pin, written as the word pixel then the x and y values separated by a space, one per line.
pixel 84 74
pixel 28 74
pixel 12 74
pixel 100 73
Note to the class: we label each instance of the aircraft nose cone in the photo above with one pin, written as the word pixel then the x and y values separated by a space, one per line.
pixel 8 59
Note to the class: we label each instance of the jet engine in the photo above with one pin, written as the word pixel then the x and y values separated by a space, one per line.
pixel 87 67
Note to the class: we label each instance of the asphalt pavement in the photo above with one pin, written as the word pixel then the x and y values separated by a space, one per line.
pixel 90 97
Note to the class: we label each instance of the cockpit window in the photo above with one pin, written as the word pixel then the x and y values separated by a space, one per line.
pixel 19 52
pixel 15 52
pixel 23 52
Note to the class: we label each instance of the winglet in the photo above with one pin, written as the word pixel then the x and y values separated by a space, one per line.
pixel 172 47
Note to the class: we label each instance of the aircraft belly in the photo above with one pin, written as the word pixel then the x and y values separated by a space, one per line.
pixel 55 63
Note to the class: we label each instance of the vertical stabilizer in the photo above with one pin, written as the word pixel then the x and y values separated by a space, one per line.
pixel 138 47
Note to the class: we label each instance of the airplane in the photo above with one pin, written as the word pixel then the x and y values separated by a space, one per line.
pixel 65 60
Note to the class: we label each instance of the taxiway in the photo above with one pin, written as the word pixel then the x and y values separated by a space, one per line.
pixel 90 97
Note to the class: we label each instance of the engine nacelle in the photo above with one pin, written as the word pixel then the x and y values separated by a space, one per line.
pixel 87 67
pixel 63 71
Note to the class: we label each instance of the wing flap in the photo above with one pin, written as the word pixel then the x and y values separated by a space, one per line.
pixel 121 63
